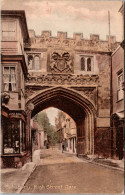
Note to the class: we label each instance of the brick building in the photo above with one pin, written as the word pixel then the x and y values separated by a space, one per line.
pixel 117 109
pixel 118 102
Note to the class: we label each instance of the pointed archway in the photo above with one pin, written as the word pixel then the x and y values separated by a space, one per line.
pixel 79 107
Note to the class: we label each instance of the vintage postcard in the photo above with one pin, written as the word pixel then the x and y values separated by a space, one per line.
pixel 62 96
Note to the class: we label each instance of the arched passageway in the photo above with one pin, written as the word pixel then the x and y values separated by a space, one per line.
pixel 77 106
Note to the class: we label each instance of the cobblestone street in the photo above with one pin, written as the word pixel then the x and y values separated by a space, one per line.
pixel 65 173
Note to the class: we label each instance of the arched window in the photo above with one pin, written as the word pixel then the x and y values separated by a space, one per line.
pixel 36 63
pixel 83 64
pixel 89 64
pixel 30 62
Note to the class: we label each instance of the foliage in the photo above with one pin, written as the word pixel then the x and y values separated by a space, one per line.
pixel 60 117
pixel 44 123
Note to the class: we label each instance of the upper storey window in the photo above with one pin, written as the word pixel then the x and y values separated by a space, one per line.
pixel 30 62
pixel 33 62
pixel 37 62
pixel 9 76
pixel 83 64
pixel 86 63
pixel 8 30
pixel 119 86
pixel 89 64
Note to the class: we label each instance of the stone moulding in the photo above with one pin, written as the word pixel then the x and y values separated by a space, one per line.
pixel 43 96
pixel 62 79
pixel 88 92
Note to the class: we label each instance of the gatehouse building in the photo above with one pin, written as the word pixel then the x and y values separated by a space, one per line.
pixel 71 74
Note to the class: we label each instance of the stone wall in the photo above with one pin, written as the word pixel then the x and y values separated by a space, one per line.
pixel 94 85
pixel 102 142
pixel 45 40
pixel 117 65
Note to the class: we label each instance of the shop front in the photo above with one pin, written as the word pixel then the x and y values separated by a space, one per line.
pixel 14 151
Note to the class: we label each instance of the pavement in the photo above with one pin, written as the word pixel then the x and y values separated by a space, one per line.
pixel 105 162
pixel 14 180
pixel 110 163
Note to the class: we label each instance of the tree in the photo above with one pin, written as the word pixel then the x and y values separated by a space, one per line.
pixel 60 118
pixel 54 137
pixel 44 122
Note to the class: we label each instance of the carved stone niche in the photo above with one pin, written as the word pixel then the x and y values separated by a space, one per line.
pixel 61 62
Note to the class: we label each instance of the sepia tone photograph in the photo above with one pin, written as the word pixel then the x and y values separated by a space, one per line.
pixel 62 97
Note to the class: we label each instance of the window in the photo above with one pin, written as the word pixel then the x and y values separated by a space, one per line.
pixel 23 137
pixel 119 89
pixel 86 63
pixel 36 62
pixel 11 137
pixel 30 62
pixel 8 30
pixel 9 76
pixel 83 64
pixel 89 64
pixel 14 136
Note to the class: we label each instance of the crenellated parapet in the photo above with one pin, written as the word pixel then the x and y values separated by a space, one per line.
pixel 77 42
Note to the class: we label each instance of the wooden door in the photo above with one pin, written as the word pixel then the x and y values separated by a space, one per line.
pixel 119 142
pixel 80 138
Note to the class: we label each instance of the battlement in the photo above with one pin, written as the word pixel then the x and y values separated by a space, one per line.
pixel 76 36
pixel 76 42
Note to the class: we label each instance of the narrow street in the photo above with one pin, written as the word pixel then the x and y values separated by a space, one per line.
pixel 65 173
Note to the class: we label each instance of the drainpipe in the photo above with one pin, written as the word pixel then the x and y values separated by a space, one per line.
pixel 30 108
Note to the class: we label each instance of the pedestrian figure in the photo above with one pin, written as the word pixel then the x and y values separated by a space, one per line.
pixel 47 145
pixel 63 147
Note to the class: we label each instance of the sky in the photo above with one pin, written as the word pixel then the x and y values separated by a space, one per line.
pixel 51 113
pixel 83 16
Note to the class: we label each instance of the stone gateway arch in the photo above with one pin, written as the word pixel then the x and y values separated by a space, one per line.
pixel 75 104
pixel 71 74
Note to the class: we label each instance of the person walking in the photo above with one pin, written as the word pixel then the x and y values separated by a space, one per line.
pixel 63 147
